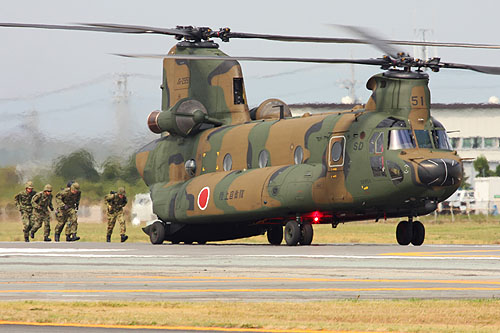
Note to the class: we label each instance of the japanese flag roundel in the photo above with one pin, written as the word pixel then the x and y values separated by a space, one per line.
pixel 203 197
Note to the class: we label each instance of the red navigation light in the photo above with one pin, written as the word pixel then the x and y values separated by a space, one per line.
pixel 316 216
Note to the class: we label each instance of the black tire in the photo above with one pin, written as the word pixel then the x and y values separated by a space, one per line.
pixel 418 236
pixel 201 242
pixel 275 234
pixel 307 234
pixel 157 234
pixel 292 233
pixel 404 233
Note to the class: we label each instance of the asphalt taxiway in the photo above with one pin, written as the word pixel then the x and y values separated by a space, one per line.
pixel 140 271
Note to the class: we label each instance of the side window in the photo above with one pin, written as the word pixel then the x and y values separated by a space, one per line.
pixel 336 151
pixel 238 90
pixel 377 143
pixel 228 162
pixel 298 155
pixel 263 159
pixel 377 164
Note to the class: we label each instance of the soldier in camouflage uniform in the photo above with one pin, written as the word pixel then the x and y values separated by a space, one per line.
pixel 115 203
pixel 67 202
pixel 23 203
pixel 42 202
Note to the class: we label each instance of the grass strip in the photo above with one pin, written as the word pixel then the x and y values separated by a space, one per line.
pixel 412 315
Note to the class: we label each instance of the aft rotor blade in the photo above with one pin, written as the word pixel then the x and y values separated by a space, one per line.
pixel 65 27
pixel 477 68
pixel 377 62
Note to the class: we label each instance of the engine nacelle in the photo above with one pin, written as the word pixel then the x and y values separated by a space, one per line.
pixel 183 119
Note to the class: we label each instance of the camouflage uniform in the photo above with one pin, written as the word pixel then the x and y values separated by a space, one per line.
pixel 67 204
pixel 115 203
pixel 23 203
pixel 42 202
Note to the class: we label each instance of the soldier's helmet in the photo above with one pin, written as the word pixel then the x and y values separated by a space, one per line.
pixel 48 187
pixel 29 184
pixel 121 191
pixel 75 186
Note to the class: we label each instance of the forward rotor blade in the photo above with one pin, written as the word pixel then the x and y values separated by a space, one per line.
pixel 370 38
pixel 139 29
pixel 378 62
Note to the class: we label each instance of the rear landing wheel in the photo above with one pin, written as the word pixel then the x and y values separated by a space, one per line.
pixel 292 233
pixel 275 234
pixel 404 233
pixel 418 236
pixel 306 236
pixel 157 234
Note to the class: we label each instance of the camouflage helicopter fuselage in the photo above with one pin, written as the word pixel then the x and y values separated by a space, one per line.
pixel 216 173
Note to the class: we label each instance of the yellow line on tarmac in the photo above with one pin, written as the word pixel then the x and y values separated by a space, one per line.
pixel 444 254
pixel 178 328
pixel 243 290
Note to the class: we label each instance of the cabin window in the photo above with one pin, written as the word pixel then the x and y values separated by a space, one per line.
pixel 336 152
pixel 400 139
pixel 423 139
pixel 377 164
pixel 298 155
pixel 238 90
pixel 441 140
pixel 263 158
pixel 228 162
pixel 190 166
pixel 377 143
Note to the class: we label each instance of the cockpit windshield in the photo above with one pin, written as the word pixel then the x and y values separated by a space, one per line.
pixel 401 139
pixel 441 140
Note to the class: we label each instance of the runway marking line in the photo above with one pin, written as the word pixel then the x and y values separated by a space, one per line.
pixel 245 290
pixel 444 254
pixel 172 328
pixel 223 279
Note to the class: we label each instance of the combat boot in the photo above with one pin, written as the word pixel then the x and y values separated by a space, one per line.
pixel 47 239
pixel 124 238
pixel 68 238
pixel 74 237
pixel 32 234
pixel 56 237
pixel 26 237
pixel 108 238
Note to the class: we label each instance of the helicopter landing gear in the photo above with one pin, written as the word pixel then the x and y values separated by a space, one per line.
pixel 275 234
pixel 296 233
pixel 292 233
pixel 418 236
pixel 307 234
pixel 157 234
pixel 410 232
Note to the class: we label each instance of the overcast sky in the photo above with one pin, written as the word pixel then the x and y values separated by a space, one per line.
pixel 38 61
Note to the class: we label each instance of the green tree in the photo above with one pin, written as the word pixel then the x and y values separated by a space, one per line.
pixel 129 171
pixel 111 169
pixel 77 165
pixel 482 167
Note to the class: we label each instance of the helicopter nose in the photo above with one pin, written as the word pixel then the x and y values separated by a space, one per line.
pixel 440 172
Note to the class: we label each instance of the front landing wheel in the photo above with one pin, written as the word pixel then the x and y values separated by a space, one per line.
pixel 404 233
pixel 418 236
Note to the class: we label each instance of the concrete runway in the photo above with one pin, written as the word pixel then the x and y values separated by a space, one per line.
pixel 239 272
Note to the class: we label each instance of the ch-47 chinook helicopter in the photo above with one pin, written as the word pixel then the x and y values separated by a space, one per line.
pixel 220 171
